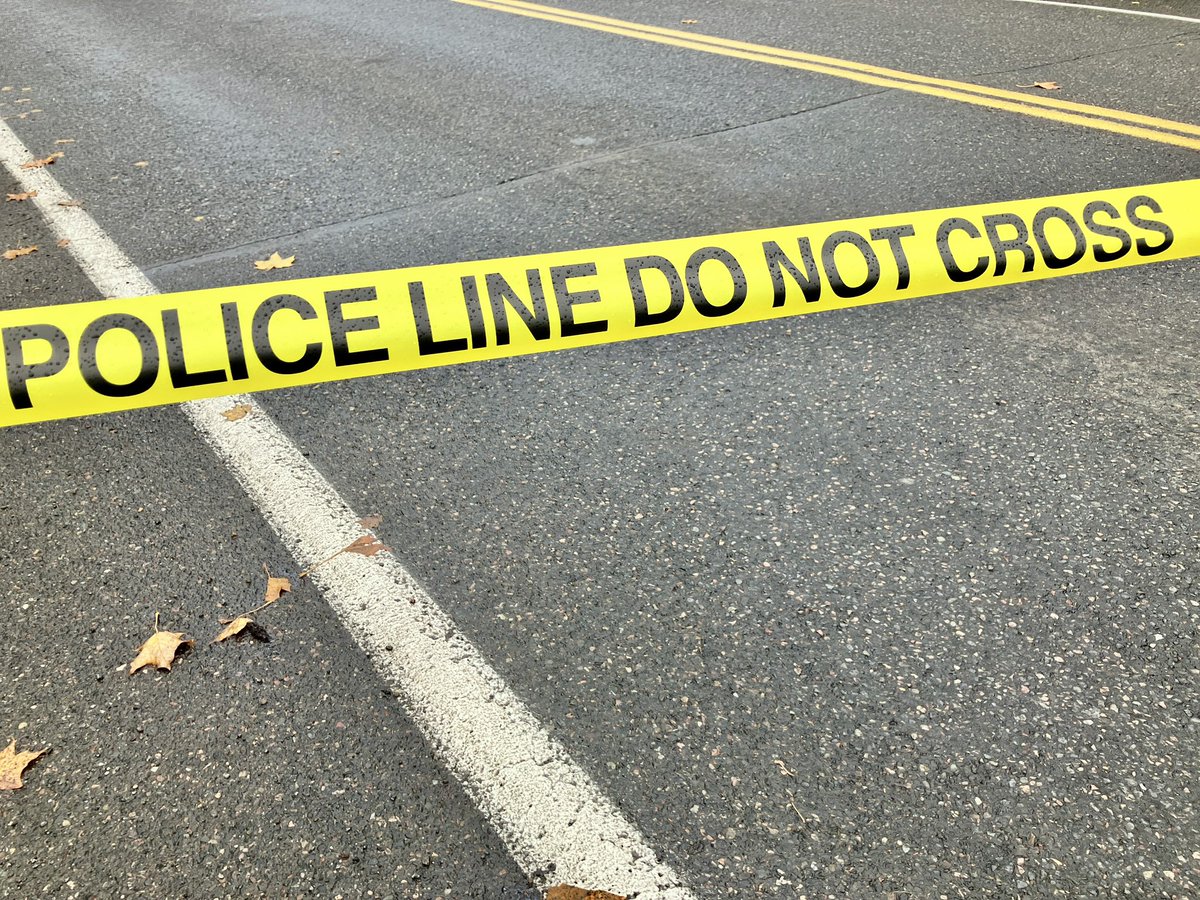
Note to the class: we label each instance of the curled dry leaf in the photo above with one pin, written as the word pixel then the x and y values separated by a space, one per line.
pixel 238 412
pixel 274 261
pixel 1044 85
pixel 14 764
pixel 243 625
pixel 276 588
pixel 689 21
pixel 160 650
pixel 567 892
pixel 20 251
pixel 370 521
pixel 39 163
pixel 65 242
pixel 24 195
pixel 367 545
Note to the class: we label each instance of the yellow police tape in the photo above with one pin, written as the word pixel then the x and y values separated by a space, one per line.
pixel 85 358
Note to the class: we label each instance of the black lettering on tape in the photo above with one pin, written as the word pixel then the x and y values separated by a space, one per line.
pixel 19 371
pixel 1047 214
pixel 692 278
pixel 829 261
pixel 1019 243
pixel 894 235
pixel 567 299
pixel 89 366
pixel 260 335
pixel 535 315
pixel 234 343
pixel 470 292
pixel 340 327
pixel 1144 247
pixel 634 267
pixel 1099 251
pixel 778 262
pixel 176 364
pixel 956 272
pixel 427 345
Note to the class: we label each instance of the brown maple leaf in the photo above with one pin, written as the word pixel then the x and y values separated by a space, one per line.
pixel 1044 85
pixel 238 412
pixel 367 545
pixel 13 765
pixel 159 651
pixel 24 195
pixel 243 625
pixel 567 892
pixel 20 251
pixel 39 163
pixel 274 261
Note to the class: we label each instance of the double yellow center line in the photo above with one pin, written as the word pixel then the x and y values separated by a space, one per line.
pixel 1150 128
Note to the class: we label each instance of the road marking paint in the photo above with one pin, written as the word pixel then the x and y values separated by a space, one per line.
pixel 545 808
pixel 1150 128
pixel 1112 9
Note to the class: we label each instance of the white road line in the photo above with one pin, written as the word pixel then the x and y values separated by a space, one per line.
pixel 1110 9
pixel 545 808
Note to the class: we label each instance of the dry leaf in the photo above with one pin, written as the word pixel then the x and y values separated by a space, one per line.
pixel 65 141
pixel 23 100
pixel 24 195
pixel 243 625
pixel 1044 85
pixel 367 545
pixel 370 521
pixel 20 251
pixel 39 163
pixel 65 242
pixel 238 412
pixel 13 764
pixel 276 588
pixel 141 164
pixel 689 21
pixel 160 650
pixel 6 88
pixel 70 203
pixel 274 261
pixel 567 892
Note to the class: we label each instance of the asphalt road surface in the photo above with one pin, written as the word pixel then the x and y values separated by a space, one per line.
pixel 892 602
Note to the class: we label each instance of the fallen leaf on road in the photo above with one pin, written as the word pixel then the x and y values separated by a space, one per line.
pixel 689 21
pixel 65 242
pixel 65 141
pixel 39 163
pixel 1044 85
pixel 24 195
pixel 159 651
pixel 141 164
pixel 243 625
pixel 20 251
pixel 70 203
pixel 23 100
pixel 238 412
pixel 14 764
pixel 567 892
pixel 367 545
pixel 274 261
pixel 370 521
pixel 276 588
pixel 6 88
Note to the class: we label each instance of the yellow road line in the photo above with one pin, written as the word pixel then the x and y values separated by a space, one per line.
pixel 1100 118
